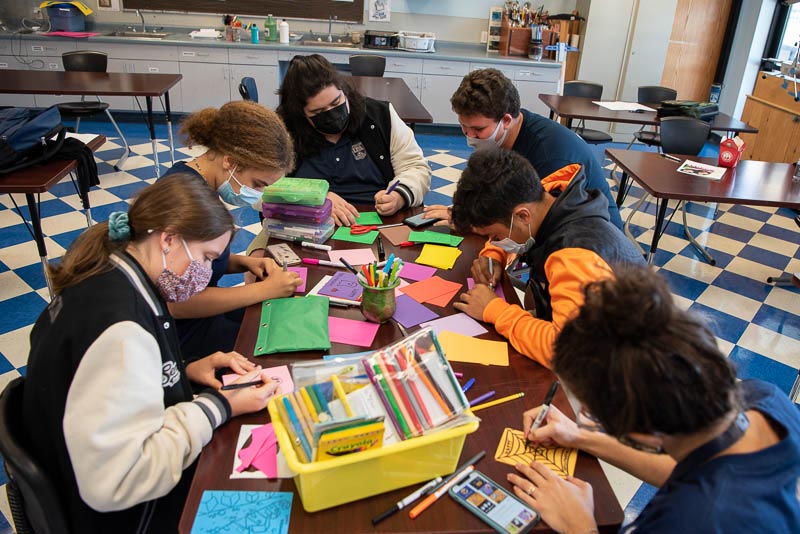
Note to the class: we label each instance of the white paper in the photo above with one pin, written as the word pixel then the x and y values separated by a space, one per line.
pixel 621 106
pixel 702 170
pixel 84 138
pixel 108 5
pixel 380 10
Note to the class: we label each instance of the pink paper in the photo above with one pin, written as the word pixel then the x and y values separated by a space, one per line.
pixel 303 272
pixel 267 460
pixel 261 439
pixel 497 291
pixel 350 332
pixel 397 291
pixel 353 256
pixel 416 272
pixel 279 374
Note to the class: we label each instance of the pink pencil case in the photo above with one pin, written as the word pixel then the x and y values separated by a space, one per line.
pixel 298 213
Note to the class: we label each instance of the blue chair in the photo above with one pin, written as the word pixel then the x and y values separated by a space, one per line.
pixel 248 89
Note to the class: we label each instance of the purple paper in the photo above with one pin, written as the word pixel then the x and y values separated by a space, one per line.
pixel 343 285
pixel 410 313
pixel 460 323
pixel 415 272
pixel 497 290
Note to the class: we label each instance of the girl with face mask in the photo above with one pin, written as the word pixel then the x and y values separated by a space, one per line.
pixel 248 148
pixel 358 144
pixel 106 383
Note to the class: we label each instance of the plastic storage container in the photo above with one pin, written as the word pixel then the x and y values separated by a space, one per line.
pixel 293 231
pixel 303 191
pixel 416 41
pixel 295 213
pixel 66 18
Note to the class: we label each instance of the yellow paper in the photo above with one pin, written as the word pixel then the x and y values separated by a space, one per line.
pixel 461 348
pixel 439 256
pixel 86 10
pixel 513 450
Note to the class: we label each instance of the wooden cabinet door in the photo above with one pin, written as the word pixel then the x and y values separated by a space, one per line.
pixel 778 132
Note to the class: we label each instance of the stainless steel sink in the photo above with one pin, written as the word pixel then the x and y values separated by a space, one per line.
pixel 138 35
pixel 321 39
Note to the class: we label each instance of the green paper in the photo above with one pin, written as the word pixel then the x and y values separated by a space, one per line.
pixel 437 238
pixel 343 234
pixel 368 217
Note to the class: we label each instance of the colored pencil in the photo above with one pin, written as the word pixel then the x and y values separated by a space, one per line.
pixel 498 401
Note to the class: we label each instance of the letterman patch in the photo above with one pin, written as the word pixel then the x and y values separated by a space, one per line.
pixel 359 152
pixel 169 374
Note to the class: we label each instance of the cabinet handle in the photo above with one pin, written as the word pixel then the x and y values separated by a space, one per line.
pixel 444 68
pixel 3 65
pixel 37 48
pixel 153 69
pixel 251 57
pixel 187 54
pixel 53 66
pixel 199 54
pixel 796 118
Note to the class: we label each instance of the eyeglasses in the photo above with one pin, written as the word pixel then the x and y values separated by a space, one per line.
pixel 587 421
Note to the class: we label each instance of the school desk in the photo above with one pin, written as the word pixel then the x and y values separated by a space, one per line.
pixel 216 461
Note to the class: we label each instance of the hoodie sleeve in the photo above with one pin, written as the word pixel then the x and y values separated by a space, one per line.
pixel 568 271
pixel 410 167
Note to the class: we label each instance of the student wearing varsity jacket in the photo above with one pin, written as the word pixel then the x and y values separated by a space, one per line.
pixel 108 406
pixel 556 226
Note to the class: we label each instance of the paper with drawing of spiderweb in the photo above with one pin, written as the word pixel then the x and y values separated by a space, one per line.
pixel 513 450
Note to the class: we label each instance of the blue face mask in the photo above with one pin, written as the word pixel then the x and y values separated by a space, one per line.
pixel 247 196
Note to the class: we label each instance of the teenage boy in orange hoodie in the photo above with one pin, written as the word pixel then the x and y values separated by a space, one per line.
pixel 556 226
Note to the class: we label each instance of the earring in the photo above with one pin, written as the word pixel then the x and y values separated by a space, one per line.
pixel 166 250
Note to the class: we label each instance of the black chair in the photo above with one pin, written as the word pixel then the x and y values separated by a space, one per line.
pixel 587 90
pixel 35 505
pixel 652 94
pixel 248 89
pixel 685 136
pixel 367 65
pixel 89 61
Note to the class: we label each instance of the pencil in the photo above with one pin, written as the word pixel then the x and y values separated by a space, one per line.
pixel 301 419
pixel 498 401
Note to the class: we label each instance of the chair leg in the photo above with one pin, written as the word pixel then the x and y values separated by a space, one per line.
pixel 795 389
pixel 783 280
pixel 709 258
pixel 126 152
pixel 627 225
pixel 77 124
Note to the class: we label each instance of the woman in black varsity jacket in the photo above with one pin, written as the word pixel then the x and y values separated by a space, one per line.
pixel 110 412
pixel 358 144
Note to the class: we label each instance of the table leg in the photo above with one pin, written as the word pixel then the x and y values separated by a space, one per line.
pixel 38 236
pixel 569 123
pixel 151 126
pixel 169 127
pixel 552 115
pixel 83 193
pixel 662 212
pixel 623 184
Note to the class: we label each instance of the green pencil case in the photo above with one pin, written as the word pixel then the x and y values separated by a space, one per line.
pixel 303 191
pixel 293 324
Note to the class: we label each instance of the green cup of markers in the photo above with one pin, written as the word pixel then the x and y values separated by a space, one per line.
pixel 378 303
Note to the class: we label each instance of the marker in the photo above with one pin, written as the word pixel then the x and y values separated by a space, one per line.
pixel 326 263
pixel 283 261
pixel 392 187
pixel 672 158
pixel 348 266
pixel 309 244
pixel 465 469
pixel 381 251
pixel 458 375
pixel 424 490
pixel 498 401
pixel 482 398
pixel 240 385
pixel 548 399
pixel 468 385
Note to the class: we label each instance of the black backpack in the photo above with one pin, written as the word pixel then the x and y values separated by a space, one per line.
pixel 29 136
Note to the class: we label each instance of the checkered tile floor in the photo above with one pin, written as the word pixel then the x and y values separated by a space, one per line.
pixel 758 326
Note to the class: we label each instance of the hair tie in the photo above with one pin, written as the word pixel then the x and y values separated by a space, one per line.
pixel 118 227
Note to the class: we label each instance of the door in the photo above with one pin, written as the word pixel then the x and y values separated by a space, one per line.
pixel 204 85
pixel 436 93
pixel 266 78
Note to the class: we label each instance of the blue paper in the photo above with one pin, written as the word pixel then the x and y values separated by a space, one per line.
pixel 243 512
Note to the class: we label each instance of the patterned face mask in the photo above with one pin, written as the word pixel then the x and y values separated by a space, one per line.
pixel 179 288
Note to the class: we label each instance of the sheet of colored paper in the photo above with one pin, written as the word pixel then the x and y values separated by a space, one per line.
pixel 431 289
pixel 461 348
pixel 412 271
pixel 399 289
pixel 343 285
pixel 410 313
pixel 303 272
pixel 396 234
pixel 460 323
pixel 369 217
pixel 439 238
pixel 245 435
pixel 443 300
pixel 353 256
pixel 514 449
pixel 439 256
pixel 350 332
pixel 262 451
pixel 243 511
pixel 497 291
pixel 343 234
pixel 279 374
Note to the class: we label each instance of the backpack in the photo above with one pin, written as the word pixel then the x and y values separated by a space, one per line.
pixel 29 136
pixel 686 108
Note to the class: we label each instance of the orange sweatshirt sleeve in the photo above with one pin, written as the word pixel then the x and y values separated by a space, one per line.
pixel 568 271
pixel 491 251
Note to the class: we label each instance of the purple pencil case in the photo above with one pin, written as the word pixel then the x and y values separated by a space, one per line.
pixel 297 213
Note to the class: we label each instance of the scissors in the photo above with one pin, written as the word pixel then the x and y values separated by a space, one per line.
pixel 358 229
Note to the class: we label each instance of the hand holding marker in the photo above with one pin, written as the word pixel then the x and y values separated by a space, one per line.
pixel 548 400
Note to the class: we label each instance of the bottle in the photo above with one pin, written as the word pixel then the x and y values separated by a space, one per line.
pixel 254 34
pixel 270 29
pixel 283 29
pixel 796 175
pixel 536 50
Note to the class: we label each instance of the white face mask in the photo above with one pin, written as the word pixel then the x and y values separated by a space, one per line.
pixel 510 246
pixel 489 142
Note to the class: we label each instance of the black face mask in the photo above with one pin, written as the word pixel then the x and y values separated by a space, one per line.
pixel 333 121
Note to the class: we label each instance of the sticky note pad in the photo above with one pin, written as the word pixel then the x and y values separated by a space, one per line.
pixel 396 234
pixel 353 256
pixel 303 272
pixel 439 256
pixel 343 234
pixel 461 348
pixel 410 313
pixel 412 271
pixel 460 323
pixel 243 511
pixel 350 332
pixel 368 217
pixel 438 238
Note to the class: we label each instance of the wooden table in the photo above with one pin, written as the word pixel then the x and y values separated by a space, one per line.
pixel 578 107
pixel 755 183
pixel 148 85
pixel 216 461
pixel 396 91
pixel 39 179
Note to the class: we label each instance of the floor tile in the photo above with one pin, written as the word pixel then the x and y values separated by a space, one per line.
pixel 739 221
pixel 752 365
pixel 73 220
pixel 446 159
pixel 16 345
pixel 751 213
pixel 20 311
pixel 784 299
pixel 719 242
pixel 778 320
pixel 737 305
pixel 723 324
pixel 761 256
pixel 742 285
pixel 772 344
pixel 27 253
pixel 751 269
pixel 777 232
pixel 12 286
pixel 776 245
pixel 448 173
pixel 683 285
pixel 698 270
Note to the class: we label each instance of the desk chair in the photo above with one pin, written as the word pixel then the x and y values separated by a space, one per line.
pixel 89 61
pixel 587 90
pixel 651 94
pixel 248 89
pixel 367 65
pixel 679 135
pixel 785 280
pixel 35 505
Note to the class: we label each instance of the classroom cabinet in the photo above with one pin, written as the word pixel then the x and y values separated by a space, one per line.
pixel 529 95
pixel 204 85
pixel 266 77
pixel 12 63
pixel 409 69
pixel 436 93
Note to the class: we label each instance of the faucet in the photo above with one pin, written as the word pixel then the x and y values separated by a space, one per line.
pixel 330 24
pixel 144 28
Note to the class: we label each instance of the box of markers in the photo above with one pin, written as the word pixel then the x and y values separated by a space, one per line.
pixel 398 417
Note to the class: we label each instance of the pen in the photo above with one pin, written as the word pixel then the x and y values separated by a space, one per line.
pixel 453 479
pixel 393 186
pixel 478 400
pixel 240 385
pixel 309 244
pixel 424 490
pixel 381 251
pixel 548 399
pixel 468 385
pixel 669 157
pixel 389 225
pixel 498 401
pixel 326 263
pixel 283 261
pixel 491 273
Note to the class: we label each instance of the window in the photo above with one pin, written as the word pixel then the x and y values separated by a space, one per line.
pixel 791 35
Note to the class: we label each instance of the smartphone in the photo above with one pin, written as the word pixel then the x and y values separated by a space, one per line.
pixel 282 252
pixel 418 222
pixel 495 505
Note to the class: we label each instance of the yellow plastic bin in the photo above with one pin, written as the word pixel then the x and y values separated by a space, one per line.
pixel 330 483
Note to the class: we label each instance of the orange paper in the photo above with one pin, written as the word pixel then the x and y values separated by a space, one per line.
pixel 434 290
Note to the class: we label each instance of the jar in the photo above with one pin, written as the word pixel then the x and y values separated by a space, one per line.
pixel 536 50
pixel 378 304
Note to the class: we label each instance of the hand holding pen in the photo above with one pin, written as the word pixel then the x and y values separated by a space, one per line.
pixel 386 203
pixel 540 416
